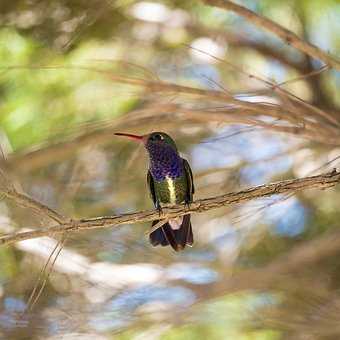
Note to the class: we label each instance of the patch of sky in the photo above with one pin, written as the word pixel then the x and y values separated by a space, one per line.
pixel 287 217
pixel 275 70
pixel 216 151
pixel 256 35
pixel 226 237
pixel 13 308
pixel 228 148
pixel 322 33
pixel 253 5
pixel 260 173
pixel 254 175
pixel 109 321
pixel 118 312
pixel 192 273
pixel 130 300
pixel 336 75
pixel 200 255
pixel 205 75
pixel 260 147
pixel 7 321
pixel 12 304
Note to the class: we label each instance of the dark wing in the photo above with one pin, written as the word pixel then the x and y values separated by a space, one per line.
pixel 190 180
pixel 151 186
pixel 165 235
pixel 184 235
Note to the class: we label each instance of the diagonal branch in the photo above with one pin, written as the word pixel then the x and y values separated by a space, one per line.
pixel 287 186
pixel 37 207
pixel 288 36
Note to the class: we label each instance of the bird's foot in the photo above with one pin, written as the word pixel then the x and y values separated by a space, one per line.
pixel 187 204
pixel 160 211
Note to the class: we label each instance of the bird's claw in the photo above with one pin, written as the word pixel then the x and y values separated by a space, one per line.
pixel 160 211
pixel 187 204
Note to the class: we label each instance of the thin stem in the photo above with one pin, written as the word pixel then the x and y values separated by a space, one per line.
pixel 288 36
pixel 322 181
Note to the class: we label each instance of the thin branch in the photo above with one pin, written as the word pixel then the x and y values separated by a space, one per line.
pixel 42 279
pixel 287 186
pixel 277 87
pixel 28 202
pixel 305 76
pixel 153 86
pixel 23 200
pixel 288 36
pixel 303 119
pixel 34 159
pixel 35 295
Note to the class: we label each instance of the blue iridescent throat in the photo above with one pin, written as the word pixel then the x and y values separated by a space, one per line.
pixel 164 161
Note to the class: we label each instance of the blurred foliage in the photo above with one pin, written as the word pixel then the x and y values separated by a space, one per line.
pixel 58 100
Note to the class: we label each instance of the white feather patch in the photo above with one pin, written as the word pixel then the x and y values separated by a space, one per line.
pixel 176 223
pixel 172 190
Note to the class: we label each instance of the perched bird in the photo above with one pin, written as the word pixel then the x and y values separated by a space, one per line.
pixel 170 181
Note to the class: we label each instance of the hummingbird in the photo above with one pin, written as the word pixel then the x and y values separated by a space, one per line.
pixel 170 181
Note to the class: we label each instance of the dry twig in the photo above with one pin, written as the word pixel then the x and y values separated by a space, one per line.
pixel 287 186
pixel 288 36
pixel 28 202
pixel 23 200
pixel 297 117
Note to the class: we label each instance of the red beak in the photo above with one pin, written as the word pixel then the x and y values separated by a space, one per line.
pixel 131 136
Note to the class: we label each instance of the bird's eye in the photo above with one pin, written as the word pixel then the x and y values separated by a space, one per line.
pixel 158 137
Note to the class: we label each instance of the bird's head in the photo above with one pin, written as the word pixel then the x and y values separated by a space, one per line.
pixel 151 139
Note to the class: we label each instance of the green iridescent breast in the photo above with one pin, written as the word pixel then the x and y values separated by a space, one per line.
pixel 171 190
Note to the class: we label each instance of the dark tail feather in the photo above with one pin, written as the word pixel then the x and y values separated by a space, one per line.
pixel 186 225
pixel 177 239
pixel 158 236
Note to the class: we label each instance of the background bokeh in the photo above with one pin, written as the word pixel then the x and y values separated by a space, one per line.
pixel 74 72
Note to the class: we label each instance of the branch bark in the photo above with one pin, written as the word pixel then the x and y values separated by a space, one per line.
pixel 287 186
pixel 286 35
pixel 37 207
